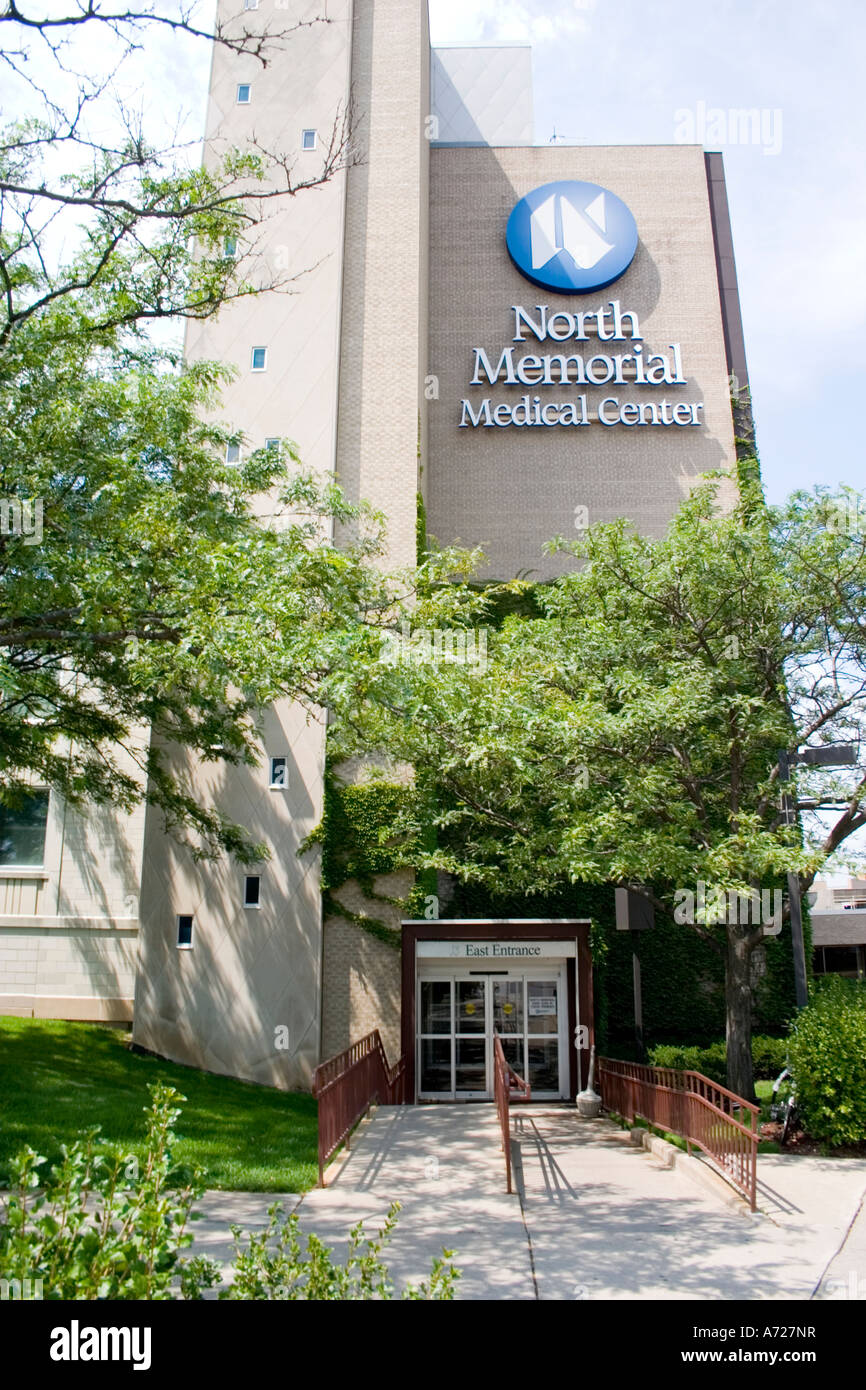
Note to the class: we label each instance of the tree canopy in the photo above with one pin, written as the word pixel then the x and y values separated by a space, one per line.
pixel 625 725
pixel 158 587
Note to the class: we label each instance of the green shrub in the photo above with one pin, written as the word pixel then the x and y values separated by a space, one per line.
pixel 768 1058
pixel 274 1267
pixel 99 1225
pixel 708 1060
pixel 827 1048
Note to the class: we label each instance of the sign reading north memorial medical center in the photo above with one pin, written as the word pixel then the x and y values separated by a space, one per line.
pixel 576 238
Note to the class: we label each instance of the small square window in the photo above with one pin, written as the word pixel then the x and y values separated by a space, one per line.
pixel 233 453
pixel 309 140
pixel 22 831
pixel 244 93
pixel 251 4
pixel 279 773
pixel 252 891
pixel 273 445
pixel 184 933
pixel 259 359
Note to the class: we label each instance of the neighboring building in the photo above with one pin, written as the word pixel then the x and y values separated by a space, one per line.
pixel 838 917
pixel 578 372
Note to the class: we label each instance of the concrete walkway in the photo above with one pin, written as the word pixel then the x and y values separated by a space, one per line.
pixel 608 1220
pixel 596 1216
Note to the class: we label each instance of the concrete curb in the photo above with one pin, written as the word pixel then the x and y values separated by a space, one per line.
pixel 692 1167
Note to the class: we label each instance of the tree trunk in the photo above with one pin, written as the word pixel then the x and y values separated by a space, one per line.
pixel 738 1012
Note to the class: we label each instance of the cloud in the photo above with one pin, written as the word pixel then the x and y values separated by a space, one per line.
pixel 492 21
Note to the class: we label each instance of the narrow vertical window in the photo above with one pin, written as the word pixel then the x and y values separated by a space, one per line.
pixel 279 773
pixel 259 359
pixel 184 932
pixel 244 93
pixel 233 453
pixel 252 891
pixel 309 140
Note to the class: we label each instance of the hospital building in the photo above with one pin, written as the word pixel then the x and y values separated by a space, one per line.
pixel 521 334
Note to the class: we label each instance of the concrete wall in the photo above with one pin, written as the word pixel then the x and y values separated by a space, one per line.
pixel 82 969
pixel 511 489
pixel 69 930
pixel 483 95
pixel 382 441
pixel 252 973
pixel 838 928
pixel 362 976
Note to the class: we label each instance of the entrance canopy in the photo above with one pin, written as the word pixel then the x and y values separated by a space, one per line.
pixel 527 979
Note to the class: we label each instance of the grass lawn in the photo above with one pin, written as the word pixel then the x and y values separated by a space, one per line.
pixel 56 1079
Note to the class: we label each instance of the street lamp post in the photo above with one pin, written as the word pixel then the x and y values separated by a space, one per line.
pixel 829 755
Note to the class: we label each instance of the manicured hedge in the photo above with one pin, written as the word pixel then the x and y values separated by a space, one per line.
pixel 768 1058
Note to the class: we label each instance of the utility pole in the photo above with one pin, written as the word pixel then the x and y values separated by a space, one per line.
pixel 789 815
pixel 828 755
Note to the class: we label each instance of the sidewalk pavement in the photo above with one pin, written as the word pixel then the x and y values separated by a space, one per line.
pixel 595 1217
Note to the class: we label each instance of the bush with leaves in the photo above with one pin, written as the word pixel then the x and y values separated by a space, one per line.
pixel 99 1225
pixel 273 1266
pixel 768 1058
pixel 827 1049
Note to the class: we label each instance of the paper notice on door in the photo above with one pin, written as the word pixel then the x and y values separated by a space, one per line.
pixel 543 1005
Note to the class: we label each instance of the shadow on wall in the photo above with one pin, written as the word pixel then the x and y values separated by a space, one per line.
pixel 244 999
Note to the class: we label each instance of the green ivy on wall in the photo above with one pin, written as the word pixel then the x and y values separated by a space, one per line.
pixel 361 839
pixel 420 531
pixel 682 977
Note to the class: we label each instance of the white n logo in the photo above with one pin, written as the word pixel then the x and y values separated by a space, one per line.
pixel 559 226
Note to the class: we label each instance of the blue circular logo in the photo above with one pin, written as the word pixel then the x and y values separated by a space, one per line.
pixel 572 237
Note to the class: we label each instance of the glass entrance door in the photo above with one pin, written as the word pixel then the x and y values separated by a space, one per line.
pixel 542 1037
pixel 458 1013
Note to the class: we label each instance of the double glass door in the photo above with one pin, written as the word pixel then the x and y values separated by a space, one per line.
pixel 458 1013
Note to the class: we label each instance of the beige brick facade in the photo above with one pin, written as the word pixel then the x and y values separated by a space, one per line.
pixel 362 988
pixel 511 489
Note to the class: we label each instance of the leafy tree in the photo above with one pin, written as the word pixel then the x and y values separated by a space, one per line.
pixel 625 726
pixel 169 596
pixel 141 602
pixel 93 207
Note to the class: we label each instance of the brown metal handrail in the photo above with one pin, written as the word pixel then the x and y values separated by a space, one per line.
pixel 691 1105
pixel 507 1086
pixel 347 1085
